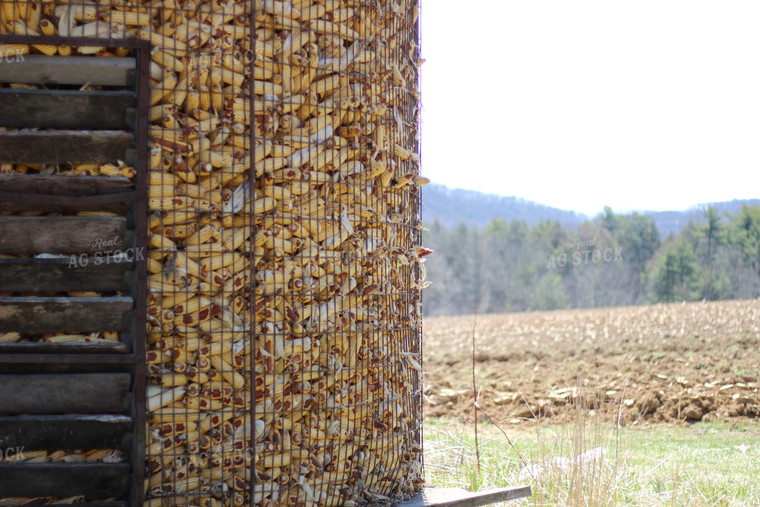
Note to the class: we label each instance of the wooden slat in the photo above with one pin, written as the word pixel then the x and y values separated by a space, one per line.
pixel 64 315
pixel 67 274
pixel 457 497
pixel 18 191
pixel 123 503
pixel 67 432
pixel 93 393
pixel 61 146
pixel 77 70
pixel 99 480
pixel 74 186
pixel 62 235
pixel 37 348
pixel 63 362
pixel 65 109
pixel 70 206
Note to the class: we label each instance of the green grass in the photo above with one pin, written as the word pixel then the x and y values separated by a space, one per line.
pixel 699 464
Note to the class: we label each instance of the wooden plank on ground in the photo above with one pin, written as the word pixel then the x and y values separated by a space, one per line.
pixel 64 314
pixel 76 393
pixel 62 235
pixel 66 432
pixel 61 146
pixel 65 109
pixel 77 70
pixel 65 274
pixel 98 480
pixel 457 497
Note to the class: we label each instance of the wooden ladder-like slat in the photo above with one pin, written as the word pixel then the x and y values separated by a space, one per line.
pixel 101 274
pixel 60 146
pixel 62 235
pixel 64 194
pixel 76 393
pixel 72 395
pixel 65 314
pixel 102 110
pixel 100 480
pixel 70 432
pixel 70 70
pixel 107 111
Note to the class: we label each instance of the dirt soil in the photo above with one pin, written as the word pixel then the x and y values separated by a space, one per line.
pixel 658 364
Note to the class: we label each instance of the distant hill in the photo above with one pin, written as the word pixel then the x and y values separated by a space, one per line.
pixel 673 221
pixel 451 206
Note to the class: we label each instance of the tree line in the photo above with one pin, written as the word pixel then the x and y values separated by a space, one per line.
pixel 612 260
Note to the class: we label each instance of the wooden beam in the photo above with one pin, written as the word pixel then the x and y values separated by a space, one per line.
pixel 36 349
pixel 457 497
pixel 37 192
pixel 66 432
pixel 55 204
pixel 73 186
pixel 63 314
pixel 62 362
pixel 76 70
pixel 65 109
pixel 99 480
pixel 67 274
pixel 61 146
pixel 62 235
pixel 76 393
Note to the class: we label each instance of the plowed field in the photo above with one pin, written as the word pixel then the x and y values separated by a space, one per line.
pixel 657 364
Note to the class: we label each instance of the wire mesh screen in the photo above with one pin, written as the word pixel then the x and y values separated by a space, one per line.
pixel 284 340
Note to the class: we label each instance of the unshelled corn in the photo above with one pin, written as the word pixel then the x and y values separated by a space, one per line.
pixel 285 268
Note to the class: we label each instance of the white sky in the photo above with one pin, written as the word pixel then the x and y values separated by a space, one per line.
pixel 578 104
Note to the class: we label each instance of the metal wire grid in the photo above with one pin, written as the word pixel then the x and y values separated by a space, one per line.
pixel 284 323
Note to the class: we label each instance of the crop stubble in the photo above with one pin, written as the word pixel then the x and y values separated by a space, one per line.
pixel 663 363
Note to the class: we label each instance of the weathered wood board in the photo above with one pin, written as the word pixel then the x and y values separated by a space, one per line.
pixel 99 480
pixel 85 393
pixel 71 273
pixel 65 109
pixel 68 432
pixel 59 194
pixel 62 235
pixel 457 497
pixel 64 314
pixel 37 349
pixel 74 70
pixel 74 186
pixel 61 146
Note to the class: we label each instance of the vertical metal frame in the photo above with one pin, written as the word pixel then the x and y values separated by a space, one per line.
pixel 141 226
pixel 252 326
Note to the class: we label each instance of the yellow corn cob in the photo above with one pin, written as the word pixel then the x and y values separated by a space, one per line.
pixel 10 10
pixel 130 18
pixel 9 337
pixel 33 16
